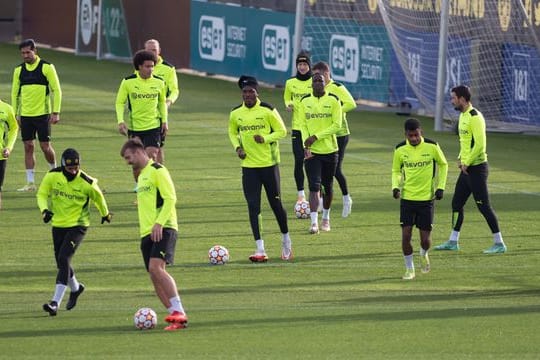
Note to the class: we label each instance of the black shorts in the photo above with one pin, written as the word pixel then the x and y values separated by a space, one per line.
pixel 3 163
pixel 32 125
pixel 419 213
pixel 163 249
pixel 67 240
pixel 150 137
pixel 320 170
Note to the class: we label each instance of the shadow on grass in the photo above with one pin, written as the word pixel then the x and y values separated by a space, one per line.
pixel 318 318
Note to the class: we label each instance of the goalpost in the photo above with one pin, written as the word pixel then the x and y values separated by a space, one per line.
pixel 392 51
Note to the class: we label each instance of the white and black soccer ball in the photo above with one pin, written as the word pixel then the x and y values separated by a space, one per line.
pixel 145 319
pixel 302 210
pixel 218 255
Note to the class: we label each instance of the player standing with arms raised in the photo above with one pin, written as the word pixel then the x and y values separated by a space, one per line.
pixel 255 128
pixel 472 161
pixel 414 175
pixel 158 227
pixel 35 82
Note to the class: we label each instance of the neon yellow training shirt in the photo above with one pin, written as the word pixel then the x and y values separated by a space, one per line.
pixel 472 137
pixel 7 117
pixel 32 97
pixel 414 169
pixel 261 119
pixel 347 103
pixel 295 90
pixel 69 200
pixel 145 99
pixel 322 117
pixel 167 72
pixel 156 198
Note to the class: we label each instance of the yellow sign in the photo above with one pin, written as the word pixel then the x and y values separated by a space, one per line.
pixel 504 9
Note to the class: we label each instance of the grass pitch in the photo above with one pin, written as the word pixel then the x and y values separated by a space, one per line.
pixel 341 297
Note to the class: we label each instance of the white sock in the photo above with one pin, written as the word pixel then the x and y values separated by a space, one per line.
pixel 409 264
pixel 59 292
pixel 286 240
pixel 30 176
pixel 314 215
pixel 347 198
pixel 301 194
pixel 176 305
pixel 73 284
pixel 260 246
pixel 497 238
pixel 423 252
pixel 52 165
pixel 454 236
pixel 326 214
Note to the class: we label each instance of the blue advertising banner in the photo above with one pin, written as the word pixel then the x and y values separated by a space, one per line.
pixel 521 79
pixel 421 54
pixel 232 40
pixel 359 56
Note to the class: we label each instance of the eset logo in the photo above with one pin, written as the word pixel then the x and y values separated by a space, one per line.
pixel 276 43
pixel 212 38
pixel 344 58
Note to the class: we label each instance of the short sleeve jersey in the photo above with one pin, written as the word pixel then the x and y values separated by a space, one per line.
pixel 261 119
pixel 69 200
pixel 322 117
pixel 414 169
pixel 156 198
pixel 145 99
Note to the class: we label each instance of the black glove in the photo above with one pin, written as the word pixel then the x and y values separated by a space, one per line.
pixel 396 193
pixel 106 218
pixel 47 215
pixel 439 194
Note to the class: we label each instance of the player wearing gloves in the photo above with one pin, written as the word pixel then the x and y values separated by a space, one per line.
pixel 63 199
pixel 414 168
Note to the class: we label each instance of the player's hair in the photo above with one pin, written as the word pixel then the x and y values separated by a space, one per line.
pixel 321 66
pixel 28 43
pixel 151 41
pixel 132 144
pixel 462 91
pixel 412 124
pixel 141 56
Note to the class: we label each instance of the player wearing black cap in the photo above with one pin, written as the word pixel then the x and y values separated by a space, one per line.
pixel 63 199
pixel 255 128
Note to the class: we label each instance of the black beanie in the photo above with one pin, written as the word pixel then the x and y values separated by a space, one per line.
pixel 303 57
pixel 246 80
pixel 70 157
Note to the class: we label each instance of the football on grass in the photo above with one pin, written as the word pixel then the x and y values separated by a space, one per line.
pixel 145 319
pixel 218 255
pixel 301 209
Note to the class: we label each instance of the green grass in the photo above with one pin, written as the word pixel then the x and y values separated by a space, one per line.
pixel 341 298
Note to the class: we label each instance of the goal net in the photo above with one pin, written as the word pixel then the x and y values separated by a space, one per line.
pixel 387 52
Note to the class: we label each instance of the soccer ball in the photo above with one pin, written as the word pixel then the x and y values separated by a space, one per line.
pixel 302 210
pixel 218 255
pixel 145 319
